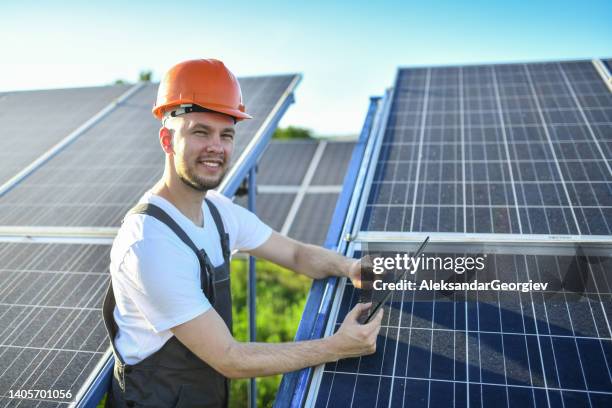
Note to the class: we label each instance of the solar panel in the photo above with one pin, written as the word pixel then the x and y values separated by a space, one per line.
pixel 34 121
pixel 521 148
pixel 517 347
pixel 96 179
pixel 50 308
pixel 504 149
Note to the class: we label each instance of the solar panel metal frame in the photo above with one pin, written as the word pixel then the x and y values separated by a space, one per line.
pixel 604 68
pixel 370 170
pixel 293 388
pixel 305 393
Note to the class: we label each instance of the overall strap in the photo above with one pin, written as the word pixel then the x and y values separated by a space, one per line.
pixel 206 267
pixel 156 212
pixel 220 229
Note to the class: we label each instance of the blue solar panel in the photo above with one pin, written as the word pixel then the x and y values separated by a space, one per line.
pixel 509 347
pixel 498 149
pixel 521 148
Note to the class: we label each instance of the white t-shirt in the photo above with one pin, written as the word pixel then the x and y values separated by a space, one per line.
pixel 156 277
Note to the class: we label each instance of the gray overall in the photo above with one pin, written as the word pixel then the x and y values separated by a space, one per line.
pixel 174 376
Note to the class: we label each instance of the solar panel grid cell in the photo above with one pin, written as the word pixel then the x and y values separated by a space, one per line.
pixel 272 208
pixel 285 163
pixel 315 212
pixel 332 167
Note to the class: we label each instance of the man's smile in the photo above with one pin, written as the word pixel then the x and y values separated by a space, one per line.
pixel 212 164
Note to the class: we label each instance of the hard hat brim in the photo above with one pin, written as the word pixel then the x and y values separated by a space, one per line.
pixel 237 114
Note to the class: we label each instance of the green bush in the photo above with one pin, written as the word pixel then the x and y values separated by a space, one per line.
pixel 281 295
pixel 145 76
pixel 292 132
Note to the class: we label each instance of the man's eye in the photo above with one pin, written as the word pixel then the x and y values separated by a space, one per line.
pixel 200 133
pixel 228 136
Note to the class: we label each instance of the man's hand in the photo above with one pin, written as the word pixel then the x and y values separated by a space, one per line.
pixel 208 337
pixel 360 273
pixel 354 273
pixel 354 339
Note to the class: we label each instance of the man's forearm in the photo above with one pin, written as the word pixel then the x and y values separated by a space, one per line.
pixel 209 339
pixel 246 360
pixel 309 260
pixel 319 263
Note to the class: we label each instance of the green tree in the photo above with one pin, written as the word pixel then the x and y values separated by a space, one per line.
pixel 292 132
pixel 145 76
pixel 281 296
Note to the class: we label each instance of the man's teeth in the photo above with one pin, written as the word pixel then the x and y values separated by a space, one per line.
pixel 211 164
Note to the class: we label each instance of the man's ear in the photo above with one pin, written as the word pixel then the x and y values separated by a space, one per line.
pixel 165 138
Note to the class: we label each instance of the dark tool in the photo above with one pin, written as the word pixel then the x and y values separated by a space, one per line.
pixel 402 275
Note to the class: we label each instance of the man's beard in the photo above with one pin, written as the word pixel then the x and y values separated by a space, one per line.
pixel 188 176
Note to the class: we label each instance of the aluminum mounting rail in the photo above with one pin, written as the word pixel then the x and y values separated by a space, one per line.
pixel 536 244
pixel 602 70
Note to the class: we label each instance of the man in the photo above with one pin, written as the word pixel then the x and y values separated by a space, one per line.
pixel 168 310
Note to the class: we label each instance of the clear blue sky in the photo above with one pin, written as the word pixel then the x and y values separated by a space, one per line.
pixel 346 50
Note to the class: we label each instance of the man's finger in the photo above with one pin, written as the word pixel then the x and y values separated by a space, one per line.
pixel 357 310
pixel 380 315
pixel 365 273
pixel 365 284
pixel 375 322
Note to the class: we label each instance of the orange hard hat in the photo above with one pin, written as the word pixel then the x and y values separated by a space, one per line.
pixel 200 85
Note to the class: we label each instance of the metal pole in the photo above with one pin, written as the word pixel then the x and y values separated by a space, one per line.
pixel 251 294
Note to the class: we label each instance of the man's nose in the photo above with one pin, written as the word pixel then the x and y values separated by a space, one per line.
pixel 215 145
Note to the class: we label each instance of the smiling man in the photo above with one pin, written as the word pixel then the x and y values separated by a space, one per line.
pixel 168 309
